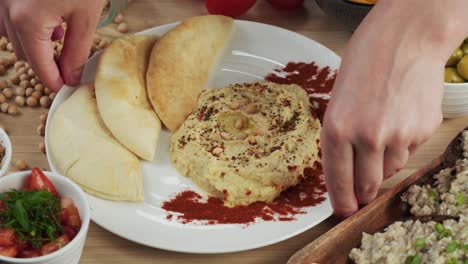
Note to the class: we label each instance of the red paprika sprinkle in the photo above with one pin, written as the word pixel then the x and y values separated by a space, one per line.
pixel 189 206
pixel 317 82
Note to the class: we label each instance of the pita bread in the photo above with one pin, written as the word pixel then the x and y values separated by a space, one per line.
pixel 121 94
pixel 87 153
pixel 180 65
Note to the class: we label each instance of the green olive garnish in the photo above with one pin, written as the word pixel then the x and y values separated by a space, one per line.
pixel 455 57
pixel 451 75
pixel 462 67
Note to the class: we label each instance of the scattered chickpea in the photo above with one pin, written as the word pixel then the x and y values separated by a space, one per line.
pixel 31 72
pixel 37 95
pixel 8 92
pixel 52 96
pixel 12 59
pixel 21 165
pixel 24 83
pixel 9 47
pixel 43 118
pixel 122 27
pixel 3 98
pixel 29 91
pixel 20 100
pixel 46 91
pixel 3 84
pixel 12 110
pixel 239 124
pixel 20 91
pixel 32 101
pixel 27 66
pixel 24 77
pixel 15 79
pixel 21 70
pixel 41 130
pixel 18 64
pixel 42 147
pixel 251 109
pixel 39 87
pixel 119 19
pixel 45 101
pixel 33 81
pixel 4 107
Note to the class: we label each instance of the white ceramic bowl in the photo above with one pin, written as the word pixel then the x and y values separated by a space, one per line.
pixel 6 161
pixel 455 101
pixel 71 253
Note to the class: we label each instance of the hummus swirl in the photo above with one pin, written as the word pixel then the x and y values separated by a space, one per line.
pixel 247 143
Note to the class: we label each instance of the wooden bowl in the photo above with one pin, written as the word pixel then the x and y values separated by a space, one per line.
pixel 349 13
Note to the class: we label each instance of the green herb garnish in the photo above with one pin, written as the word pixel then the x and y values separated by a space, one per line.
pixel 431 193
pixel 439 228
pixel 451 247
pixel 452 260
pixel 460 199
pixel 34 215
pixel 413 260
pixel 466 246
pixel 420 242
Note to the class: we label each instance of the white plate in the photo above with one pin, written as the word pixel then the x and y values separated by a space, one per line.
pixel 255 51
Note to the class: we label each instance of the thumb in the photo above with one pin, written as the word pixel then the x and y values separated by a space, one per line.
pixel 81 26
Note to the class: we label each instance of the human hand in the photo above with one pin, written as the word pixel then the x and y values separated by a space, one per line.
pixel 387 97
pixel 31 25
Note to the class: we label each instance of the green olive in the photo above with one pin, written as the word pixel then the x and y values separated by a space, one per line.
pixel 464 48
pixel 451 75
pixel 462 67
pixel 455 58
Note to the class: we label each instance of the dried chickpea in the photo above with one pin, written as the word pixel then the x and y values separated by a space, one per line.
pixel 42 147
pixel 4 107
pixel 20 100
pixel 2 70
pixel 43 118
pixel 8 92
pixel 12 59
pixel 3 98
pixel 15 79
pixel 3 84
pixel 33 81
pixel 52 96
pixel 31 72
pixel 3 44
pixel 20 91
pixel 24 83
pixel 21 165
pixel 29 91
pixel 103 44
pixel 24 77
pixel 41 130
pixel 12 110
pixel 9 47
pixel 37 95
pixel 39 87
pixel 45 101
pixel 21 70
pixel 4 62
pixel 46 91
pixel 122 27
pixel 31 101
pixel 27 66
pixel 18 64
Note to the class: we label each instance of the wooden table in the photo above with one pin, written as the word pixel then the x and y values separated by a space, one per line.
pixel 104 247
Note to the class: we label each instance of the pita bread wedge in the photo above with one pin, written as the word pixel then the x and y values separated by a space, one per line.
pixel 87 153
pixel 121 94
pixel 180 65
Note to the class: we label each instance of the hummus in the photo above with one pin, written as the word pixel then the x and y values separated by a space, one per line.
pixel 247 143
pixel 401 242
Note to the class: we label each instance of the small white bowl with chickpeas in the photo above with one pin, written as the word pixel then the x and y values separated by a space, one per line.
pixel 455 101
pixel 5 152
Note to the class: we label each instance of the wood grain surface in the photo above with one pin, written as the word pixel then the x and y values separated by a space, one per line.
pixel 104 247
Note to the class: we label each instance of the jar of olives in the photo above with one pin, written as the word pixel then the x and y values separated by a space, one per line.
pixel 456 68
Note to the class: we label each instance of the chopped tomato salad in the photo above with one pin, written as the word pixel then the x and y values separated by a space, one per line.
pixel 35 221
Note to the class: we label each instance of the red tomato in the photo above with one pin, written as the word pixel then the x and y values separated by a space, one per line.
pixel 69 232
pixel 70 216
pixel 7 237
pixel 39 181
pixel 63 216
pixel 53 246
pixel 9 251
pixel 286 4
pixel 29 253
pixel 232 8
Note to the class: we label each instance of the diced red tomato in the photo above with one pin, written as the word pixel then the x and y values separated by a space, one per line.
pixel 69 232
pixel 30 253
pixel 63 216
pixel 286 4
pixel 39 181
pixel 70 216
pixel 7 237
pixel 11 251
pixel 231 8
pixel 53 246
